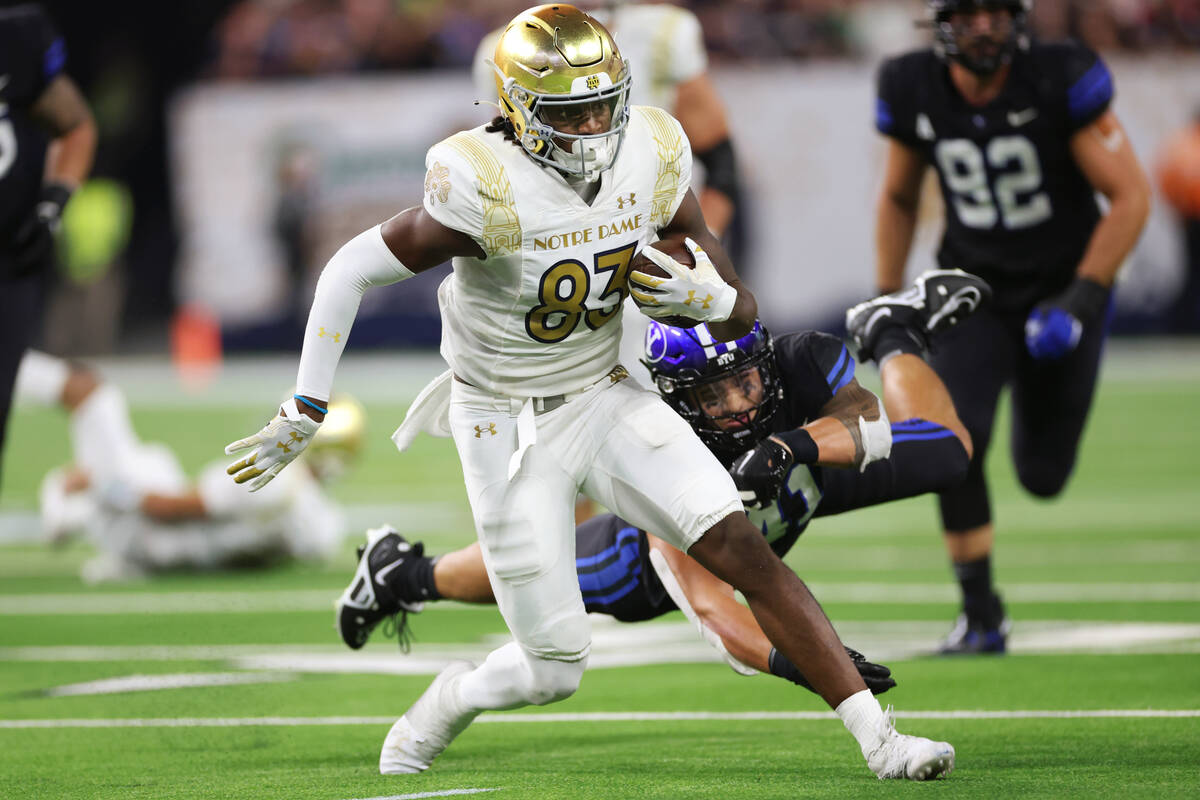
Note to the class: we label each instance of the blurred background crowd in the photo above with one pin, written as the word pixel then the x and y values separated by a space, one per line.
pixel 121 284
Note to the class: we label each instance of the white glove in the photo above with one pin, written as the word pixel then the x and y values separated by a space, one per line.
pixel 275 446
pixel 698 293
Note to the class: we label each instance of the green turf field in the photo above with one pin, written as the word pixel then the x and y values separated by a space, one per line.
pixel 234 685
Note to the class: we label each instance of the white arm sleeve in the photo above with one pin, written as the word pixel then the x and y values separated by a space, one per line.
pixel 361 262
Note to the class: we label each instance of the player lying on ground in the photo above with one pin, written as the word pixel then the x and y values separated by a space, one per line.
pixel 786 415
pixel 133 501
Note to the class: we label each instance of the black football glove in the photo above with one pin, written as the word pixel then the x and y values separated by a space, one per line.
pixel 34 239
pixel 877 677
pixel 759 472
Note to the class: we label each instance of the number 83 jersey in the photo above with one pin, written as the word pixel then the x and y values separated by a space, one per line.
pixel 1019 212
pixel 540 315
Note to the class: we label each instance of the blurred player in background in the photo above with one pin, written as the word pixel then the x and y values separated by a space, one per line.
pixel 133 501
pixel 536 400
pixel 1022 137
pixel 1179 179
pixel 47 141
pixel 746 400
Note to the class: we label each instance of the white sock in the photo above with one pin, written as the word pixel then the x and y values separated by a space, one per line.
pixel 41 378
pixel 862 716
pixel 102 435
pixel 511 678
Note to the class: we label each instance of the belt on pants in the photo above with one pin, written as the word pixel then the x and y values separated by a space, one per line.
pixel 527 408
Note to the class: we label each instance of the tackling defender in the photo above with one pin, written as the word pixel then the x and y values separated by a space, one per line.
pixel 535 209
pixel 1022 138
pixel 785 415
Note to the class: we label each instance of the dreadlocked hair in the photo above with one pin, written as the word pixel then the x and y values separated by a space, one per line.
pixel 503 125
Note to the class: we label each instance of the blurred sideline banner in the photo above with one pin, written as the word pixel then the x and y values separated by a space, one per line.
pixel 270 179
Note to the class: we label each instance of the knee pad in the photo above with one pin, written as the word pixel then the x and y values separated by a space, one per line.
pixel 554 680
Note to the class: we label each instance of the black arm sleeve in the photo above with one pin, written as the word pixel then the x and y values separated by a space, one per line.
pixel 720 169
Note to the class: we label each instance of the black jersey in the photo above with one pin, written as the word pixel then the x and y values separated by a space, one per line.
pixel 1019 212
pixel 31 55
pixel 612 557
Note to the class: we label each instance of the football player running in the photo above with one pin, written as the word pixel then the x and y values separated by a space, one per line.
pixel 132 500
pixel 788 417
pixel 534 210
pixel 47 142
pixel 1022 137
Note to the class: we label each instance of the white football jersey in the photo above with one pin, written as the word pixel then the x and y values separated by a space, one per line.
pixel 663 44
pixel 540 314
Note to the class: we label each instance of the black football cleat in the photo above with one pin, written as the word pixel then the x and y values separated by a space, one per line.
pixel 939 299
pixel 370 597
pixel 969 637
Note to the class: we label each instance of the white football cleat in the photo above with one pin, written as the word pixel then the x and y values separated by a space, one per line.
pixel 912 757
pixel 427 728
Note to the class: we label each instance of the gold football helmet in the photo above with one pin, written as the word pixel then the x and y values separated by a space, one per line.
pixel 339 440
pixel 564 87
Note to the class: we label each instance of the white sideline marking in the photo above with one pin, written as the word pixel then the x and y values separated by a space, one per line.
pixel 598 716
pixel 615 645
pixel 323 599
pixel 179 680
pixel 443 793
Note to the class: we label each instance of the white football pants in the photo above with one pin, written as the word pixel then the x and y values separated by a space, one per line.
pixel 618 443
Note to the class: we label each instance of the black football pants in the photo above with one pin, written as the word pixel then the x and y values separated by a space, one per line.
pixel 1050 404
pixel 20 320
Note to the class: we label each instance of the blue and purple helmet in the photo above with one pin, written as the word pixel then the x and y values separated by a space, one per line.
pixel 681 360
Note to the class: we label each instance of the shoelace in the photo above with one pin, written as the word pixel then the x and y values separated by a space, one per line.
pixel 399 628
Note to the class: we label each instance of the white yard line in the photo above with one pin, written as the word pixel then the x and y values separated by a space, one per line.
pixel 613 645
pixel 135 602
pixel 599 716
pixel 442 793
pixel 176 680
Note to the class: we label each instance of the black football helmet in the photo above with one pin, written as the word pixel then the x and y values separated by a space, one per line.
pixel 949 38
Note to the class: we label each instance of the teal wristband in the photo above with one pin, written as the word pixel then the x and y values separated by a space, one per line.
pixel 311 404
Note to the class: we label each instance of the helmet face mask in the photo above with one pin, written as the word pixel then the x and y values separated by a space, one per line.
pixel 564 87
pixel 954 38
pixel 729 392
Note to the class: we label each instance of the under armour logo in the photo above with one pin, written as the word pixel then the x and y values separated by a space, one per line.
pixel 593 81
pixel 480 431
pixel 621 201
pixel 336 336
pixel 284 446
pixel 693 299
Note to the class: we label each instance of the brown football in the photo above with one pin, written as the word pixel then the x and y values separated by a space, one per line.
pixel 677 249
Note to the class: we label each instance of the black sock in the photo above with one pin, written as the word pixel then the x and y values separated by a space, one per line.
pixel 422 580
pixel 980 602
pixel 897 338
